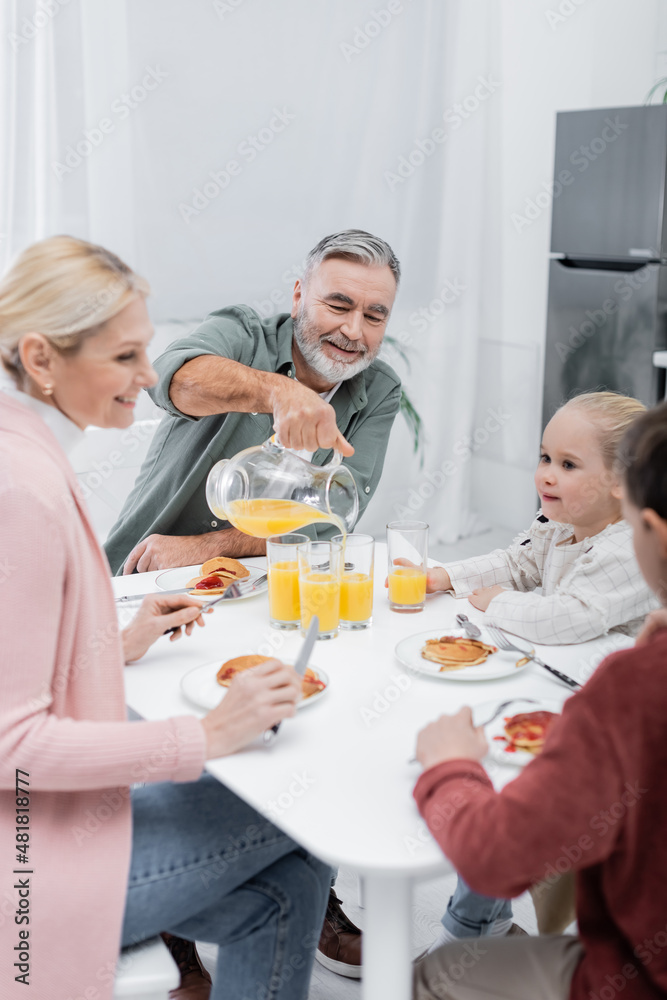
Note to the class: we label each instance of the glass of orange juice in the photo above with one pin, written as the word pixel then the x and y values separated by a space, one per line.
pixel 356 586
pixel 407 550
pixel 320 572
pixel 283 569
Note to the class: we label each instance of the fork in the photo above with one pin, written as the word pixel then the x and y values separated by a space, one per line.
pixel 501 708
pixel 500 639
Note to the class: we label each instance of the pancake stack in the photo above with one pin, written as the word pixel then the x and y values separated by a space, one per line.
pixel 527 731
pixel 454 653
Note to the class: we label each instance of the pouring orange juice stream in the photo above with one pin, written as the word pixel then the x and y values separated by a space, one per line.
pixel 263 517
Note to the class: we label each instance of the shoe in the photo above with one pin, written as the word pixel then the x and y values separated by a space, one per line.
pixel 516 931
pixel 195 980
pixel 194 986
pixel 339 949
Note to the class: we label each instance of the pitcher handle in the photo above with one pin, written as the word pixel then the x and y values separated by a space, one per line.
pixel 335 461
pixel 273 444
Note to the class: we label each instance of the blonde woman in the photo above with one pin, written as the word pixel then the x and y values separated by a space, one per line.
pixel 110 867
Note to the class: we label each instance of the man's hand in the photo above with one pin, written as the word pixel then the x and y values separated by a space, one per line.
pixel 452 737
pixel 653 621
pixel 156 614
pixel 303 421
pixel 482 597
pixel 167 551
pixel 256 700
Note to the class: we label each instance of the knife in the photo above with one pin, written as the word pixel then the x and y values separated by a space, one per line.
pixel 470 628
pixel 140 597
pixel 256 584
pixel 300 667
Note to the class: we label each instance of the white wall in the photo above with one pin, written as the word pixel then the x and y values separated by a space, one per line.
pixel 222 68
pixel 599 53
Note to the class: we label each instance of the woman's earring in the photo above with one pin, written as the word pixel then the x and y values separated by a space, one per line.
pixel 48 389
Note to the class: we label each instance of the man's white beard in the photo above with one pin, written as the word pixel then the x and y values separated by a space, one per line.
pixel 319 362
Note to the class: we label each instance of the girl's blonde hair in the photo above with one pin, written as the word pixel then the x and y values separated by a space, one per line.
pixel 65 289
pixel 613 413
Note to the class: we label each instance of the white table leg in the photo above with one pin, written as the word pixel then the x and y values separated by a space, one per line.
pixel 387 966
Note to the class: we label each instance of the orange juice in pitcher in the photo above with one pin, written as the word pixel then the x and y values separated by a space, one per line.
pixel 263 517
pixel 270 490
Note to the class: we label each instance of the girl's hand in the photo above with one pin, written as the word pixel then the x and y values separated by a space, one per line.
pixel 482 597
pixel 452 737
pixel 653 621
pixel 156 614
pixel 437 578
pixel 256 700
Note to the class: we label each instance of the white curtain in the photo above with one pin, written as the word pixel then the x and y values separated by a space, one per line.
pixel 213 143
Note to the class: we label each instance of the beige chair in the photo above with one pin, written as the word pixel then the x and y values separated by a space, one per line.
pixel 554 904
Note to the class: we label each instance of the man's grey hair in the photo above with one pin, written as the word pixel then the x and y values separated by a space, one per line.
pixel 357 245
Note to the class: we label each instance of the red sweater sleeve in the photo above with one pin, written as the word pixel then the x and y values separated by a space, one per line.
pixel 503 842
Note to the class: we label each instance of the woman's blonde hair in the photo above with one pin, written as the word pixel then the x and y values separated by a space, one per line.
pixel 65 289
pixel 613 413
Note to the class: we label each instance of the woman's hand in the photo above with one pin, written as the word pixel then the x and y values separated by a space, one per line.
pixel 482 597
pixel 653 621
pixel 156 614
pixel 451 737
pixel 256 700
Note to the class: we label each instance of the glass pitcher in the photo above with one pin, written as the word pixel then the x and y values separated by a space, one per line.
pixel 270 490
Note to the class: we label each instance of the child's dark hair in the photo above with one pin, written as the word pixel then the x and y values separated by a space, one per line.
pixel 642 460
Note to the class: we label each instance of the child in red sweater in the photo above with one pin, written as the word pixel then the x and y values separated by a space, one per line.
pixel 594 802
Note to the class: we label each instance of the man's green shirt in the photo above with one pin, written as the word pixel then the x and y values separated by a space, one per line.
pixel 169 497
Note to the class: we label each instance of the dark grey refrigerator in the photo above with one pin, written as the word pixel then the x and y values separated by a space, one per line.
pixel 608 268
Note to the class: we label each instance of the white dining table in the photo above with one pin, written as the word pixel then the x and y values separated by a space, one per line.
pixel 338 777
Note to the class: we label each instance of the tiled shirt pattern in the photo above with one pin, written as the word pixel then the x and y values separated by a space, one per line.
pixel 586 588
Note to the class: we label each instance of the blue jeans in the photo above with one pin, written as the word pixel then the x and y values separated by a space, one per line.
pixel 471 915
pixel 205 866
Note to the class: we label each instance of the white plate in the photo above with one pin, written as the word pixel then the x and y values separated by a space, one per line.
pixel 200 686
pixel 499 664
pixel 497 751
pixel 172 579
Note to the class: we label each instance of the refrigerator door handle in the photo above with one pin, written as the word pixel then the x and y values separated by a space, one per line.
pixel 603 264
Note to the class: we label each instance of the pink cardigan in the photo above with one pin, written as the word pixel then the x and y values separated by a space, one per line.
pixel 62 719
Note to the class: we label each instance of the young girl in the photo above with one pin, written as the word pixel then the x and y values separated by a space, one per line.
pixel 617 764
pixel 578 549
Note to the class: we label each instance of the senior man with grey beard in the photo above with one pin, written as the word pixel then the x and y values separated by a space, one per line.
pixel 312 376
